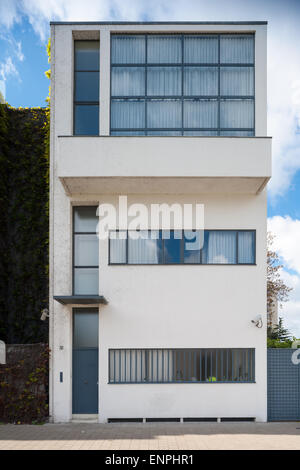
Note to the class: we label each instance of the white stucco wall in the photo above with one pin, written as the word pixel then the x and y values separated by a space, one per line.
pixel 157 306
pixel 170 307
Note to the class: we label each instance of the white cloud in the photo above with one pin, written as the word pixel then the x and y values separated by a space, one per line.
pixel 7 68
pixel 287 245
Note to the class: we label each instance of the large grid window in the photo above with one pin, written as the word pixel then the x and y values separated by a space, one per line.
pixel 86 88
pixel 85 251
pixel 181 365
pixel 182 247
pixel 182 84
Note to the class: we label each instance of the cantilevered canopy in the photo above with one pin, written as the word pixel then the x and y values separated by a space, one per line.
pixel 80 299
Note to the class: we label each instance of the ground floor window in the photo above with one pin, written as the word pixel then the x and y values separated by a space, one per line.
pixel 229 365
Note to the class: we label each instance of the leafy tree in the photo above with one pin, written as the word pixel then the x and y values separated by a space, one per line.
pixel 277 290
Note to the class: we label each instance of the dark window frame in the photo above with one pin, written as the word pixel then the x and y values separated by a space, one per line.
pixel 147 131
pixel 83 103
pixel 182 263
pixel 118 365
pixel 74 233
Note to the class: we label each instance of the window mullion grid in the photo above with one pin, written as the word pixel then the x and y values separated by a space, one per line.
pixel 182 83
pixel 219 87
pixel 146 78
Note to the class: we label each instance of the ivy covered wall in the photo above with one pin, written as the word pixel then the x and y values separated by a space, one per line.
pixel 24 188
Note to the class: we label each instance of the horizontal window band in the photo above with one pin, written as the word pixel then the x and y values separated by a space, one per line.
pixel 186 382
pixel 181 264
pixel 182 97
pixel 180 129
pixel 178 247
pixel 181 365
pixel 181 64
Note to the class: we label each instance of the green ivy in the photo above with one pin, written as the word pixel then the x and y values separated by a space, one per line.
pixel 24 223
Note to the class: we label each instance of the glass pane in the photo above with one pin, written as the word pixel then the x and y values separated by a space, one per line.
pixel 128 49
pixel 86 119
pixel 146 249
pixel 219 247
pixel 200 113
pixel 193 242
pixel 127 114
pixel 128 81
pixel 246 244
pixel 201 133
pixel 237 81
pixel 117 245
pixel 85 219
pixel 200 81
pixel 85 329
pixel 86 86
pixel 164 113
pixel 237 113
pixel 200 50
pixel 163 81
pixel 86 250
pixel 172 246
pixel 164 49
pixel 237 49
pixel 237 133
pixel 86 281
pixel 86 55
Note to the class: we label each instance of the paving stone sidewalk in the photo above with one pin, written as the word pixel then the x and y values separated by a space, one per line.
pixel 151 436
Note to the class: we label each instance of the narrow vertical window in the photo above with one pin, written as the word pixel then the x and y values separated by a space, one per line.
pixel 85 251
pixel 86 88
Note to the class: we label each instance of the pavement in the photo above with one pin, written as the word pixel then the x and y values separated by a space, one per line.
pixel 151 436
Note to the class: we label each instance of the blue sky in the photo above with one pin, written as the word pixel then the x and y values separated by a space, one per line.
pixel 24 31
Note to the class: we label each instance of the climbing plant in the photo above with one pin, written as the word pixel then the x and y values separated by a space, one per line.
pixel 24 187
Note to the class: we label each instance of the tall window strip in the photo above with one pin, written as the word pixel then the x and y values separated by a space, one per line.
pixel 85 251
pixel 183 247
pixel 216 365
pixel 86 88
pixel 194 85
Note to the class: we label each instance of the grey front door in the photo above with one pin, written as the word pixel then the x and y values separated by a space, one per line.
pixel 85 361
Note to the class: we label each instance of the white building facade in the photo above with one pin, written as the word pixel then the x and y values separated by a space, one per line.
pixel 163 113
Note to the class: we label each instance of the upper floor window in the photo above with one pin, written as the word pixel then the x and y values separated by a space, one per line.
pixel 86 88
pixel 178 247
pixel 182 84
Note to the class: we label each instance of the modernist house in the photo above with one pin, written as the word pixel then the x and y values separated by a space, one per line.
pixel 163 113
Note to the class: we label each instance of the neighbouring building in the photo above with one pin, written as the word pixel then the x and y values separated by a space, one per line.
pixel 163 113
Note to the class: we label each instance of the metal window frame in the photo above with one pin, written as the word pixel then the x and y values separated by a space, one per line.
pixel 74 233
pixel 179 355
pixel 182 97
pixel 182 263
pixel 83 103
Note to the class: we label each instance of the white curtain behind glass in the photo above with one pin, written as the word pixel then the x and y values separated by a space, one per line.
pixel 164 49
pixel 246 247
pixel 143 250
pixel 200 50
pixel 221 247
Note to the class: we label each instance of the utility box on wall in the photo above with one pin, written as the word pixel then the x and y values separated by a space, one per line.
pixel 2 352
